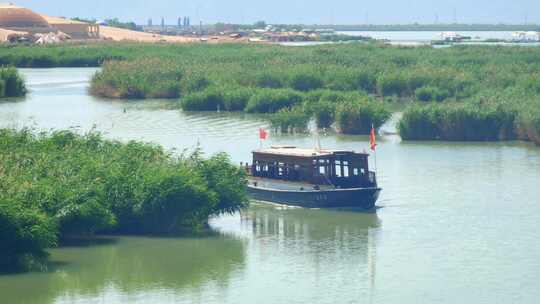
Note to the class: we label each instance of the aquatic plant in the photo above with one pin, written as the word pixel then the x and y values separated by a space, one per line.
pixel 272 100
pixel 218 98
pixel 11 83
pixel 458 121
pixel 138 79
pixel 290 120
pixel 269 80
pixel 61 184
pixel 24 234
pixel 324 112
pixel 211 99
pixel 305 80
pixel 431 94
pixel 458 74
pixel 358 116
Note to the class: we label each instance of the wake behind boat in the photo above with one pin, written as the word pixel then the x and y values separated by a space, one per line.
pixel 312 178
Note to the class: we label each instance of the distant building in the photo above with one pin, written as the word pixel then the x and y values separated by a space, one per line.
pixel 14 17
pixel 150 22
pixel 22 20
pixel 526 36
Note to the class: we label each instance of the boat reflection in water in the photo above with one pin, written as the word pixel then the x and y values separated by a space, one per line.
pixel 309 249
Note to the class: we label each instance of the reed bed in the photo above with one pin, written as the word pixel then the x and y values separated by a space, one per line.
pixel 11 83
pixel 257 78
pixel 489 116
pixel 59 185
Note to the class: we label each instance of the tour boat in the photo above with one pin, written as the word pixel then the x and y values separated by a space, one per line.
pixel 312 178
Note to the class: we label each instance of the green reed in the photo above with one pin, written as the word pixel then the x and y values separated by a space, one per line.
pixel 60 184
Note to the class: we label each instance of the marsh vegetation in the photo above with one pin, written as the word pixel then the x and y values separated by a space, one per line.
pixel 59 185
pixel 489 91
pixel 11 83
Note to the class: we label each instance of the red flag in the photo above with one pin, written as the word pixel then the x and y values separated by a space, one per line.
pixel 372 141
pixel 262 133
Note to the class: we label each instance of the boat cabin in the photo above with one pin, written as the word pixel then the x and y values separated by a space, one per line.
pixel 342 169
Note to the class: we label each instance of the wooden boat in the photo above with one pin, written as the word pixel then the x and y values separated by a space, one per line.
pixel 312 178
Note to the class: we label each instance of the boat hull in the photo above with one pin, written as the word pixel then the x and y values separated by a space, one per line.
pixel 361 198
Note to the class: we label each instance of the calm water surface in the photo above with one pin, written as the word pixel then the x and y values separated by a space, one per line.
pixel 426 36
pixel 459 221
pixel 415 38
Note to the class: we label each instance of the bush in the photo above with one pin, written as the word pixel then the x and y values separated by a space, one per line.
pixel 358 116
pixel 272 100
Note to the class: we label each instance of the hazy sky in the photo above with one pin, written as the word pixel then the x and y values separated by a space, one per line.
pixel 296 11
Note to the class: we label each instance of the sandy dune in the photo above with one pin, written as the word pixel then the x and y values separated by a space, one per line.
pixel 118 34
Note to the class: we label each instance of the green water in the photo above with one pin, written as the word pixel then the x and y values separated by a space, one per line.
pixel 458 223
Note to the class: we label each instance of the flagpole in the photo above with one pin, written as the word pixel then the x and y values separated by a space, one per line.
pixel 375 154
pixel 373 145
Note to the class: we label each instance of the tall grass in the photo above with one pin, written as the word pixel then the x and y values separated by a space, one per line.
pixel 459 121
pixel 449 75
pixel 290 120
pixel 272 100
pixel 60 184
pixel 138 79
pixel 359 116
pixel 11 83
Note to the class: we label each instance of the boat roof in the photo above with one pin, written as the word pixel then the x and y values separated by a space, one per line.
pixel 300 152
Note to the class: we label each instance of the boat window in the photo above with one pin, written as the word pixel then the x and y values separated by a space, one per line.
pixel 363 171
pixel 338 170
pixel 322 170
pixel 355 171
pixel 345 170
pixel 345 163
pixel 281 169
